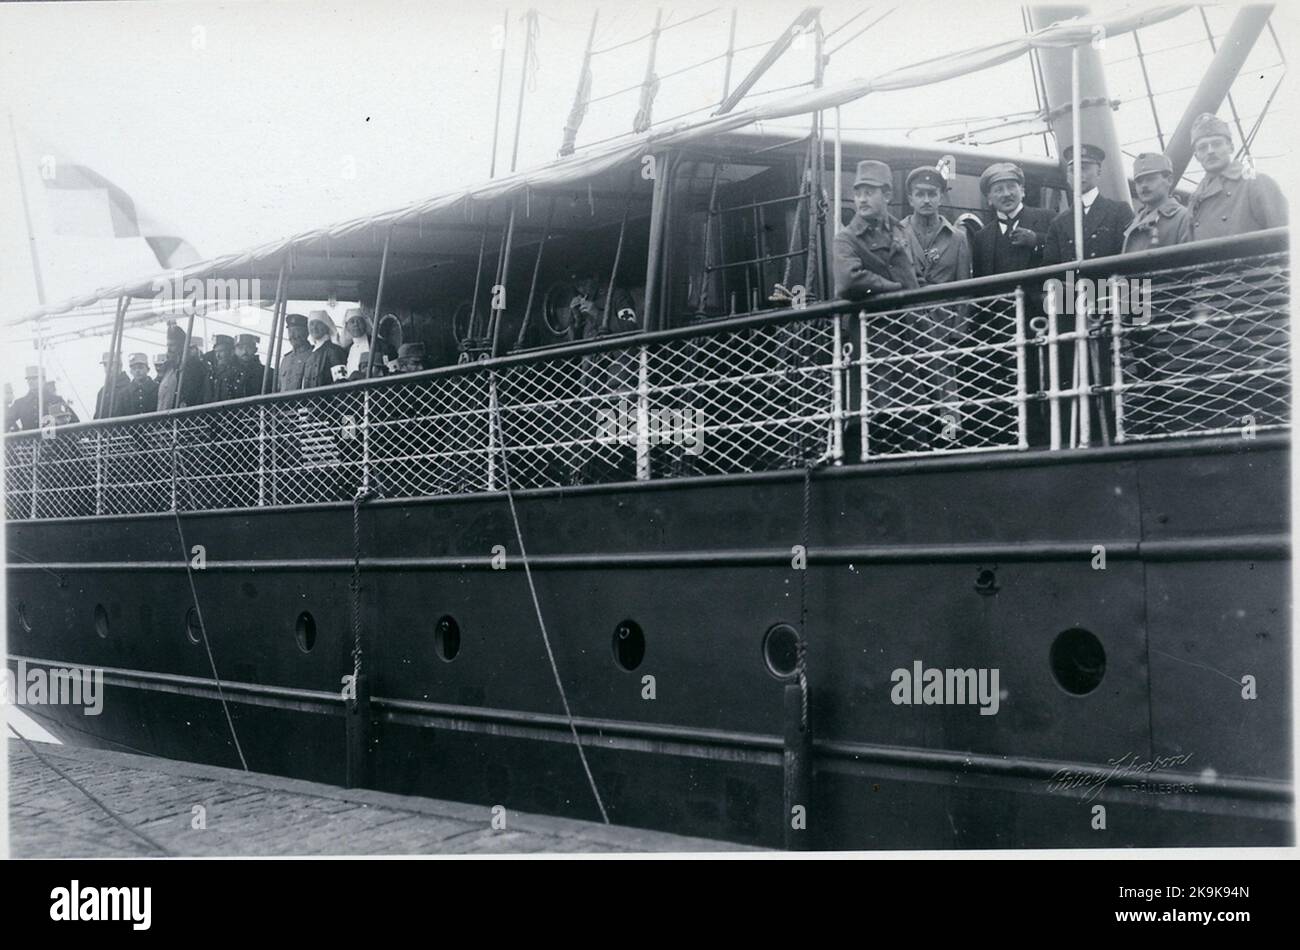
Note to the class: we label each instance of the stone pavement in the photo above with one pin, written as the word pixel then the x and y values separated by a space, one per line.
pixel 252 814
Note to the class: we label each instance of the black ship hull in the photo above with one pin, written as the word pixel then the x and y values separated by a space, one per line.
pixel 975 562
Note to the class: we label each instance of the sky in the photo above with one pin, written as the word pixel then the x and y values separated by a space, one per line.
pixel 243 122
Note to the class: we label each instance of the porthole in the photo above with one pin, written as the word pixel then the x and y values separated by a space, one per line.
pixel 1078 661
pixel 629 645
pixel 23 622
pixel 781 651
pixel 446 638
pixel 101 621
pixel 306 631
pixel 193 626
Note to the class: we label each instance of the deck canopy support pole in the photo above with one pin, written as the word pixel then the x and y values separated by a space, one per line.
pixel 277 327
pixel 379 300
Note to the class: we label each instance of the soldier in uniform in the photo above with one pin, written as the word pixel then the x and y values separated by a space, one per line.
pixel 141 393
pixel 249 369
pixel 1229 200
pixel 1014 241
pixel 940 251
pixel 25 412
pixel 102 409
pixel 226 381
pixel 872 254
pixel 1104 219
pixel 292 364
pixel 174 391
pixel 1162 222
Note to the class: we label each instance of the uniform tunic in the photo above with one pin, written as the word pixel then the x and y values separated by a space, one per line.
pixel 139 396
pixel 868 257
pixel 1230 203
pixel 948 257
pixel 292 365
pixel 1165 226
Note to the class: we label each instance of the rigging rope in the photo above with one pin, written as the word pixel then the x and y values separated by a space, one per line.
pixel 85 791
pixel 194 595
pixel 537 607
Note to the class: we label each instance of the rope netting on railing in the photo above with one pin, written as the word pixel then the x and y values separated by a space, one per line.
pixel 1207 351
pixel 754 399
pixel 1212 355
pixel 942 378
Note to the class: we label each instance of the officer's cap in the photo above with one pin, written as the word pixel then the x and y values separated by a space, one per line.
pixel 160 359
pixel 248 339
pixel 1000 171
pixel 222 339
pixel 33 372
pixel 872 172
pixel 1091 153
pixel 1207 124
pixel 1149 163
pixel 926 175
pixel 295 320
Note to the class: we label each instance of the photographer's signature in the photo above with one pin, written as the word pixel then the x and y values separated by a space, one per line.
pixel 1125 768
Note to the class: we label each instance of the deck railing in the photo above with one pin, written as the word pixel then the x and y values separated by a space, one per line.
pixel 992 364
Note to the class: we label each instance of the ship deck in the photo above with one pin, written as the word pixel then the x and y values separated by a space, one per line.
pixel 247 813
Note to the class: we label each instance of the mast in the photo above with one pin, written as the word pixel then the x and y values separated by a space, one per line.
pixel 1096 122
pixel 1246 28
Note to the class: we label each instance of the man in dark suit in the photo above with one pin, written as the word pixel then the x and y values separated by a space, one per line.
pixel 1104 219
pixel 1014 237
pixel 1011 241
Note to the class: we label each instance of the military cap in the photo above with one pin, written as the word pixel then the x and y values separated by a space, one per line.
pixel 137 358
pixel 106 358
pixel 1207 124
pixel 222 339
pixel 196 342
pixel 1091 153
pixel 159 360
pixel 1149 163
pixel 248 339
pixel 33 372
pixel 927 175
pixel 410 351
pixel 872 172
pixel 295 320
pixel 1000 171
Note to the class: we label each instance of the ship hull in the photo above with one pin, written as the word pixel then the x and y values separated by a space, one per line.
pixel 1174 557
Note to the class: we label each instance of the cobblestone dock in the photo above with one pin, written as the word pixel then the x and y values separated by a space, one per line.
pixel 252 814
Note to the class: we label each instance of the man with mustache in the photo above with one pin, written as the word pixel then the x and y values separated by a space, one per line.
pixel 1013 240
pixel 940 251
pixel 1229 200
pixel 1162 222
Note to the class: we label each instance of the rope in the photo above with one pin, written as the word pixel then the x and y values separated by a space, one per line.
pixel 198 610
pixel 537 607
pixel 364 493
pixel 85 791
pixel 801 661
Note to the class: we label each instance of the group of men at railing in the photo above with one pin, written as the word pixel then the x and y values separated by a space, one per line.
pixel 877 253
pixel 187 376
